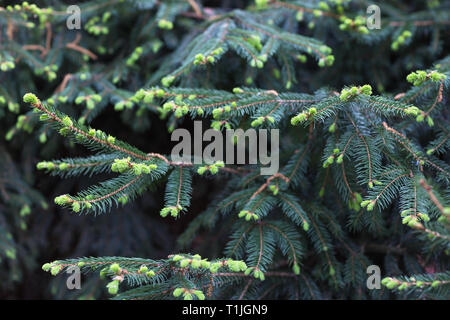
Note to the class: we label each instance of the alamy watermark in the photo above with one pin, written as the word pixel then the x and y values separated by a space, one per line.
pixel 374 20
pixel 74 280
pixel 73 21
pixel 374 279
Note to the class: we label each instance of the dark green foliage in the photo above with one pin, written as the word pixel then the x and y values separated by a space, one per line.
pixel 364 136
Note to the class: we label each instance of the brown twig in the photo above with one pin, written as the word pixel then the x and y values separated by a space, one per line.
pixel 74 46
pixel 433 198
pixel 268 180
pixel 196 8
pixel 63 84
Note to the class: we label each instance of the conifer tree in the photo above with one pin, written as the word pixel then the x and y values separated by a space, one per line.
pixel 364 136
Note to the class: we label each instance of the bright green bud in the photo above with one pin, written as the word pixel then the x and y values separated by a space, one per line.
pixel 164 24
pixel 365 203
pixel 119 106
pixel 113 287
pixel 424 217
pixel 295 120
pixel 195 263
pixel 220 164
pixel 302 58
pixel 111 139
pixel 63 166
pixel 184 263
pixel 143 269
pixel 296 269
pixel 407 33
pixel 321 192
pixel 160 93
pixel 177 292
pixel 298 118
pixel 62 200
pixel 167 81
pixel 332 271
pixel 242 213
pixel 261 4
pixel 164 212
pixel 177 257
pixel 213 169
pixel 363 30
pixel 217 112
pixel 205 264
pixel 67 121
pixel 201 170
pixel 385 281
pixel 46 267
pixel 30 98
pixel 435 284
pixel 324 6
pixel 76 206
pixel 42 137
pixel 345 95
pixel 437 76
pixel 329 60
pixel 305 226
pixel 403 286
pixel 214 267
pixel 55 270
pixel 370 206
pixel 332 128
pixel 446 211
pixel 392 284
pixel 199 295
pixel 366 89
pixel 114 268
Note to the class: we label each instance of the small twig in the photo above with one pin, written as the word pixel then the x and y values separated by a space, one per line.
pixel 431 195
pixel 63 84
pixel 245 289
pixel 48 39
pixel 34 47
pixel 268 180
pixel 196 8
pixel 74 46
